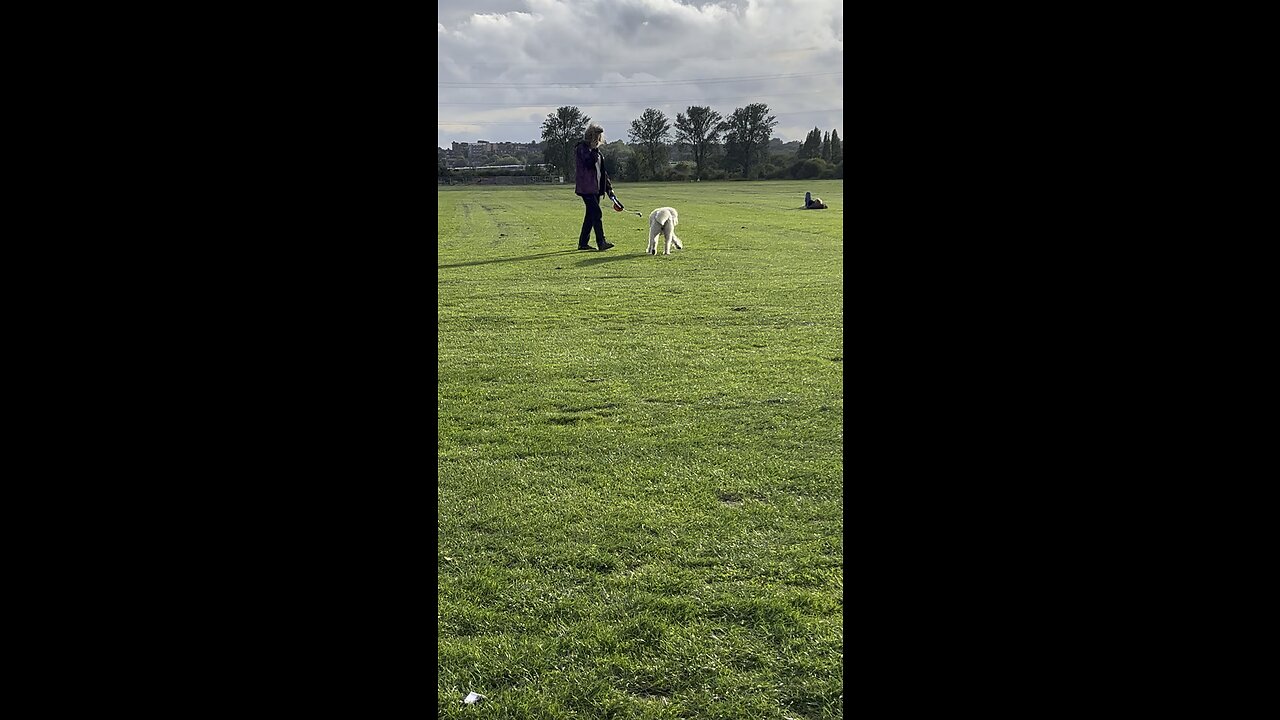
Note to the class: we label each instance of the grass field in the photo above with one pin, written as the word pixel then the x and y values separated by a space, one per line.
pixel 640 457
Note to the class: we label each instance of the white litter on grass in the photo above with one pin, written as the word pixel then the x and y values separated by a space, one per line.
pixel 473 698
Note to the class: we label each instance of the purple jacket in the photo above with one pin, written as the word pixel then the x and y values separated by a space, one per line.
pixel 591 178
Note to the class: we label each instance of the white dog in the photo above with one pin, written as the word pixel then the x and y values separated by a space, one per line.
pixel 663 222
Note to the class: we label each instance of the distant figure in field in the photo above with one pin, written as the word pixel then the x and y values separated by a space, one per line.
pixel 813 203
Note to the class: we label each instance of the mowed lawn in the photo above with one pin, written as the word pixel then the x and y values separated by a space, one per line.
pixel 640 457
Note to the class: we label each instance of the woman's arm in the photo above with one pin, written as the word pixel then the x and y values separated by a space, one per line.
pixel 605 184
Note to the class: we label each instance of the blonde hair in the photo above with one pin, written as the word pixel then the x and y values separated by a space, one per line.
pixel 594 132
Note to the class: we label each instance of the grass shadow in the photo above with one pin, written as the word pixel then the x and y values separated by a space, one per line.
pixel 510 259
pixel 599 259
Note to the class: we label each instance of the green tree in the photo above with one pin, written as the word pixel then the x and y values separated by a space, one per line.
pixel 837 153
pixel 812 146
pixel 809 168
pixel 561 130
pixel 615 156
pixel 826 147
pixel 632 166
pixel 700 131
pixel 746 137
pixel 651 131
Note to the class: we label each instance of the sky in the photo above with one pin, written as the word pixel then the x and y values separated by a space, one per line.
pixel 504 65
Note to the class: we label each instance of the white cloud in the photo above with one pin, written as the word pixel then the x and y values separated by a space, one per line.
pixel 545 52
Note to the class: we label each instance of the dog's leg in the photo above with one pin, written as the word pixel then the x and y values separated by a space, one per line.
pixel 676 240
pixel 668 230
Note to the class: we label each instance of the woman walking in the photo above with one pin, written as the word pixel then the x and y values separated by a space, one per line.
pixel 591 183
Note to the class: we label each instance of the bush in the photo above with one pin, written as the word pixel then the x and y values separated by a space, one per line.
pixel 811 168
pixel 681 171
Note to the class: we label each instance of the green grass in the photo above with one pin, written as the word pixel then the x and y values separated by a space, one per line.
pixel 640 457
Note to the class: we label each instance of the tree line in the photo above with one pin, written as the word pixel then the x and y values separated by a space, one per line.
pixel 733 146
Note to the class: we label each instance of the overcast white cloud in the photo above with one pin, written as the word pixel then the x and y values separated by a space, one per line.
pixel 504 65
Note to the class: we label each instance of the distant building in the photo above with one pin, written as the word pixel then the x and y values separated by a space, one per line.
pixel 462 154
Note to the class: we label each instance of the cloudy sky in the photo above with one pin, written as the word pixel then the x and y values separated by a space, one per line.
pixel 504 65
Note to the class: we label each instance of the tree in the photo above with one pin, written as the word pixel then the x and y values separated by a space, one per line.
pixel 651 131
pixel 700 130
pixel 561 130
pixel 615 156
pixel 809 169
pixel 837 153
pixel 812 145
pixel 747 133
pixel 826 147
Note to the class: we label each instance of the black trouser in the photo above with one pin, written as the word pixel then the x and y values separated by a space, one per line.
pixel 592 220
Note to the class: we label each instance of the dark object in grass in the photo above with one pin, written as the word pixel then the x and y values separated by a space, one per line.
pixel 813 203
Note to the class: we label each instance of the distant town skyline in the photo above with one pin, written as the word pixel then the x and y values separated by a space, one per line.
pixel 535 141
